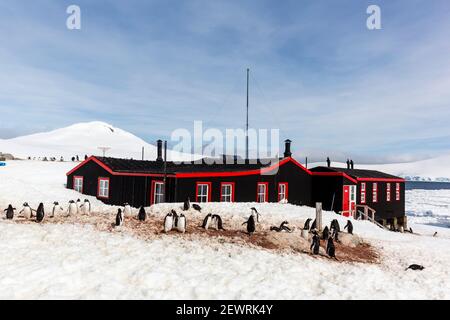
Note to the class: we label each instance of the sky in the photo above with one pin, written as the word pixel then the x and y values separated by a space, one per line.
pixel 317 72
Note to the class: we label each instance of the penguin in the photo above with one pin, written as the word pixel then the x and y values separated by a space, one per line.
pixel 349 227
pixel 197 207
pixel 142 214
pixel 27 211
pixel 57 209
pixel 79 205
pixel 119 218
pixel 86 207
pixel 325 233
pixel 314 225
pixel 315 244
pixel 207 221
pixel 335 225
pixel 73 209
pixel 126 210
pixel 187 204
pixel 306 225
pixel 168 222
pixel 10 212
pixel 40 213
pixel 435 234
pixel 255 212
pixel 175 218
pixel 415 267
pixel 216 221
pixel 281 227
pixel 251 225
pixel 181 223
pixel 331 249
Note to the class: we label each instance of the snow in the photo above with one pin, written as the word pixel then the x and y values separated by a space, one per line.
pixel 76 261
pixel 84 139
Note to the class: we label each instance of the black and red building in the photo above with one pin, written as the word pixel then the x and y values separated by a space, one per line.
pixel 346 191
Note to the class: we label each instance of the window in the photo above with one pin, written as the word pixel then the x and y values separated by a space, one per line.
pixel 158 192
pixel 397 191
pixel 388 192
pixel 203 191
pixel 103 188
pixel 363 192
pixel 227 192
pixel 374 192
pixel 282 191
pixel 262 194
pixel 78 184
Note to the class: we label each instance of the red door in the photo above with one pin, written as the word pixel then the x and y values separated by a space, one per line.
pixel 346 201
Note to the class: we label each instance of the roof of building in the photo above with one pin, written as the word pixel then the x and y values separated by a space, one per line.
pixel 357 173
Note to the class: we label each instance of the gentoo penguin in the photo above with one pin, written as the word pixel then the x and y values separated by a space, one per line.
pixel 325 233
pixel 181 223
pixel 349 227
pixel 335 225
pixel 255 212
pixel 251 225
pixel 187 204
pixel 207 221
pixel 27 211
pixel 175 218
pixel 216 221
pixel 79 204
pixel 314 225
pixel 57 210
pixel 10 212
pixel 119 218
pixel 40 213
pixel 283 226
pixel 72 209
pixel 126 210
pixel 306 225
pixel 415 267
pixel 315 244
pixel 168 222
pixel 142 214
pixel 197 207
pixel 435 234
pixel 331 250
pixel 86 207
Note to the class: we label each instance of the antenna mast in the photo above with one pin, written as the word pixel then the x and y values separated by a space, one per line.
pixel 246 124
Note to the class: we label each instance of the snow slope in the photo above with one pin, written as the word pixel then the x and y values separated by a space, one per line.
pixel 79 262
pixel 83 138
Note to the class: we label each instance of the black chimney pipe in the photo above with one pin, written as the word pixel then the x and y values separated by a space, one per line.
pixel 159 145
pixel 287 148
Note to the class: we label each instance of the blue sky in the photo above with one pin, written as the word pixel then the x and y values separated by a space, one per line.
pixel 317 73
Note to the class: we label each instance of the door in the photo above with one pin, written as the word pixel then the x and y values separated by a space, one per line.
pixel 346 201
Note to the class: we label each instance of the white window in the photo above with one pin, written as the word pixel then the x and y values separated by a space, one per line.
pixel 375 192
pixel 78 184
pixel 103 187
pixel 363 192
pixel 282 191
pixel 397 191
pixel 226 192
pixel 388 192
pixel 262 192
pixel 203 192
pixel 158 192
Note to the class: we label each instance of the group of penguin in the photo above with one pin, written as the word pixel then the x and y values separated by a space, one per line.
pixel 57 210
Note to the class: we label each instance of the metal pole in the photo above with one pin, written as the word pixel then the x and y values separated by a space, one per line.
pixel 165 169
pixel 142 153
pixel 246 124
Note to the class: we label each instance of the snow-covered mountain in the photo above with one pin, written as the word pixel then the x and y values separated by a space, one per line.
pixel 83 139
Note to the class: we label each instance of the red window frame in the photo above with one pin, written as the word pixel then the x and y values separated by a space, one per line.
pixel 397 191
pixel 152 190
pixel 196 189
pixel 266 195
pixel 363 192
pixel 286 190
pixel 375 192
pixel 82 182
pixel 388 192
pixel 98 187
pixel 232 184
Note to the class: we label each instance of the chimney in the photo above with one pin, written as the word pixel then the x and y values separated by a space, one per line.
pixel 159 145
pixel 287 148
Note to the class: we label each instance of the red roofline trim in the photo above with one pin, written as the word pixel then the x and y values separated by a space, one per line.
pixel 335 174
pixel 382 179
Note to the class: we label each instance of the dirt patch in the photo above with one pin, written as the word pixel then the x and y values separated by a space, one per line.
pixel 350 249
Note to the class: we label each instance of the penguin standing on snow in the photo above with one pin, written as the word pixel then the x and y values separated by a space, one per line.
pixel 314 225
pixel 168 222
pixel 175 218
pixel 306 225
pixel 56 210
pixel 331 249
pixel 119 218
pixel 126 210
pixel 349 227
pixel 255 213
pixel 10 212
pixel 142 214
pixel 79 205
pixel 251 223
pixel 315 244
pixel 27 211
pixel 86 207
pixel 325 233
pixel 40 213
pixel 207 221
pixel 197 207
pixel 216 221
pixel 335 229
pixel 181 223
pixel 72 210
pixel 187 204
